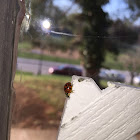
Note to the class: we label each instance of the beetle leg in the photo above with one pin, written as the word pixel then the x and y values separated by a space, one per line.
pixel 68 95
pixel 72 91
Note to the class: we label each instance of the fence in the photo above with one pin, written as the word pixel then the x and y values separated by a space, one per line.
pixel 94 114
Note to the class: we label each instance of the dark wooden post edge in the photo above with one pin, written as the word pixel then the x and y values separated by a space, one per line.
pixel 8 16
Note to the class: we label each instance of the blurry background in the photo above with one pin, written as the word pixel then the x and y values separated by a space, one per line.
pixel 60 38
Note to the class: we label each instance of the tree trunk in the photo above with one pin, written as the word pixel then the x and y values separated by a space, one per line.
pixel 8 16
pixel 132 76
pixel 94 74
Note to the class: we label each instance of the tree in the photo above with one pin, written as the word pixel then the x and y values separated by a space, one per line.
pixel 134 6
pixel 96 24
pixel 123 36
pixel 130 61
pixel 44 9
pixel 125 33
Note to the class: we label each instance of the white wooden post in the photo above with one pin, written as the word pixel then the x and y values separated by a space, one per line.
pixel 94 114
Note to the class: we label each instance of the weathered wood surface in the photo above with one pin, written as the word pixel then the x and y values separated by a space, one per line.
pixel 8 13
pixel 110 114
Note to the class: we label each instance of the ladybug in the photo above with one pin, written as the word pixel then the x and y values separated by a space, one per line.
pixel 68 89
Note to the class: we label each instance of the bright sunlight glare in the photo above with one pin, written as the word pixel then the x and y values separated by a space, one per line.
pixel 46 24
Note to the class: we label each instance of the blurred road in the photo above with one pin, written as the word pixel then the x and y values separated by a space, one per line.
pixel 34 65
pixel 38 66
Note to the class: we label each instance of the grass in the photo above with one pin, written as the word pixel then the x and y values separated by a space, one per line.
pixel 25 47
pixel 103 83
pixel 111 62
pixel 47 58
pixel 24 76
pixel 110 59
pixel 48 87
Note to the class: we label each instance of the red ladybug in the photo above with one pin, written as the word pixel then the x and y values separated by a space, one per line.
pixel 68 89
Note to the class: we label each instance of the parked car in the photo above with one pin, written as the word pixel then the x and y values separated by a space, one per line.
pixel 65 70
pixel 111 75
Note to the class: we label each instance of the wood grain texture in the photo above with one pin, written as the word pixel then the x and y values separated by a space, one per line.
pixel 7 33
pixel 113 115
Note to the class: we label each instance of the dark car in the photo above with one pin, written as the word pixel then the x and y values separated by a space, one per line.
pixel 65 70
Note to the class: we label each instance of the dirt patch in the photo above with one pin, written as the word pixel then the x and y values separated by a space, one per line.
pixel 32 112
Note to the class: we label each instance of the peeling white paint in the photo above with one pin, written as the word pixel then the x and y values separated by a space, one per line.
pixel 94 114
pixel 77 101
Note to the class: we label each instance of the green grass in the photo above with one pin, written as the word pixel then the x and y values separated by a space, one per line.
pixel 24 76
pixel 48 87
pixel 103 83
pixel 25 46
pixel 48 58
pixel 111 62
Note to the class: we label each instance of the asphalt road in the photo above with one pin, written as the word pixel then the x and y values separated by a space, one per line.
pixel 34 66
